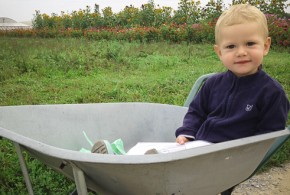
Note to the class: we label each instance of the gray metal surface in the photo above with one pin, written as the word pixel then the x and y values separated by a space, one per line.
pixel 53 134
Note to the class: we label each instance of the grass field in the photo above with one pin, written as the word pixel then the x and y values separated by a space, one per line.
pixel 64 71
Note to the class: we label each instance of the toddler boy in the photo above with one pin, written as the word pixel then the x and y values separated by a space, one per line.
pixel 243 101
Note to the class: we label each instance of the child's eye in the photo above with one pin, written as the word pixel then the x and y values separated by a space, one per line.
pixel 230 46
pixel 250 43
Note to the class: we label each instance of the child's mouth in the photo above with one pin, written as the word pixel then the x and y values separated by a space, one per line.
pixel 243 62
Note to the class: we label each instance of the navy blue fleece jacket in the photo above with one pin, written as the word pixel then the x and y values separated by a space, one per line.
pixel 228 107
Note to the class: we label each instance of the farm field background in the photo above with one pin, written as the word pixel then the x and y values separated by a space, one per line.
pixel 191 22
pixel 55 71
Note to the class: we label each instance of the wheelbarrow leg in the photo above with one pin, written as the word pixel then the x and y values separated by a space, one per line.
pixel 228 191
pixel 23 168
pixel 79 180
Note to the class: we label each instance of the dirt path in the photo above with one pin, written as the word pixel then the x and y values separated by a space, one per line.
pixel 276 181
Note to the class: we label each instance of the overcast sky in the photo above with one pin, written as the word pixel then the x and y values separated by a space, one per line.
pixel 24 10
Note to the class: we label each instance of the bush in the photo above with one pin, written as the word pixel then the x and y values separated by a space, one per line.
pixel 190 23
pixel 279 30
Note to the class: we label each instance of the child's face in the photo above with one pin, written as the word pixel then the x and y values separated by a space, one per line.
pixel 242 47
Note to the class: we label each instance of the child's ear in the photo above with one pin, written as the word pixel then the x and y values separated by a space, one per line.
pixel 217 50
pixel 267 45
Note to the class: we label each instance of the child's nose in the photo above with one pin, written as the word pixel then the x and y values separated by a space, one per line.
pixel 241 51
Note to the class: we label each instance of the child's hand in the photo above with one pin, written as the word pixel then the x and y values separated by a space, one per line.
pixel 181 139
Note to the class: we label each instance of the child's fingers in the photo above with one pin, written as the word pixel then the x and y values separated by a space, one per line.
pixel 181 139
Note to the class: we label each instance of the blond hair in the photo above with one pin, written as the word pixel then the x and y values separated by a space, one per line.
pixel 241 14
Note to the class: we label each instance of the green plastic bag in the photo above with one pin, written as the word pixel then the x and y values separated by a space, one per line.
pixel 118 147
pixel 90 142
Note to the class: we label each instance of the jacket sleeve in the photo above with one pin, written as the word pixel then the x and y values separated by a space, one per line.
pixel 274 112
pixel 196 114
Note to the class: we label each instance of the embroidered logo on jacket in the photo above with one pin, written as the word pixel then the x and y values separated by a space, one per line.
pixel 248 108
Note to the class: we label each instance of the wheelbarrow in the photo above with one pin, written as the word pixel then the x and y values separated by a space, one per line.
pixel 54 135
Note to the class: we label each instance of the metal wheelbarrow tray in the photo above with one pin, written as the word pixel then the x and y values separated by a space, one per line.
pixel 53 134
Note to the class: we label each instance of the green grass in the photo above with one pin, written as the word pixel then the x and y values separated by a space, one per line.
pixel 64 71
